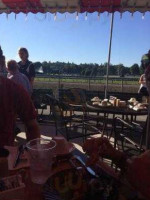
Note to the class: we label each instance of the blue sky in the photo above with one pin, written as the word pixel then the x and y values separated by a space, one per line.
pixel 82 41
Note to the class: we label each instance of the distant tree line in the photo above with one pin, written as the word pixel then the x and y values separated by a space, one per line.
pixel 93 70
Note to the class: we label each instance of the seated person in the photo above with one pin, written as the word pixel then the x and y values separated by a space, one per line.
pixel 14 100
pixel 17 77
pixel 136 169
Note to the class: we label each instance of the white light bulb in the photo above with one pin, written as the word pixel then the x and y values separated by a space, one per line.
pixel 143 16
pixel 99 16
pixel 26 17
pixel 45 15
pixel 55 16
pixel 120 15
pixel 132 14
pixel 86 16
pixel 77 16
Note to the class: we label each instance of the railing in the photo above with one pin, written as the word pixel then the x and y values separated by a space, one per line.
pixel 60 79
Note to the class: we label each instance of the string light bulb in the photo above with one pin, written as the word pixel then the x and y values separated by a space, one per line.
pixel 86 16
pixel 143 16
pixel 45 15
pixel 77 16
pixel 121 15
pixel 26 17
pixel 98 15
pixel 66 15
pixel 132 14
pixel 55 16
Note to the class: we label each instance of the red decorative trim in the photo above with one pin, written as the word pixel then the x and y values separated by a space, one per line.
pixel 100 5
pixel 24 6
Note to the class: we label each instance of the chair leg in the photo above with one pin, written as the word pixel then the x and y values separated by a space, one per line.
pixel 115 134
pixel 141 141
pixel 112 130
pixel 97 119
pixel 84 131
pixel 56 131
pixel 67 135
pixel 104 123
pixel 41 113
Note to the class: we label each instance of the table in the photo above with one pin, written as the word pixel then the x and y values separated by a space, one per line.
pixel 34 191
pixel 123 111
pixel 114 110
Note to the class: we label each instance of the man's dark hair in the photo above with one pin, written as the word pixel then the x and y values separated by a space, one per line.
pixel 24 50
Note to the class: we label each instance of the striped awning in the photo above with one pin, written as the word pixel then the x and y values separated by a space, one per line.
pixel 71 6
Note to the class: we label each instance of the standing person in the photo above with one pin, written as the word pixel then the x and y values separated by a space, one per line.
pixel 143 87
pixel 17 77
pixel 145 61
pixel 14 100
pixel 25 66
pixel 147 75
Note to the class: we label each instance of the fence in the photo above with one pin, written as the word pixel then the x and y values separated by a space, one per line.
pixel 61 80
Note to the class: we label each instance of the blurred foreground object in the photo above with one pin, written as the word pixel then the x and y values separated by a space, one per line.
pixel 136 170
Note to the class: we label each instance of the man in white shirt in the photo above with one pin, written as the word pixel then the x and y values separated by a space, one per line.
pixel 17 77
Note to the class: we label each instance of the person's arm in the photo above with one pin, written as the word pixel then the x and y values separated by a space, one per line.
pixel 106 150
pixel 138 173
pixel 141 81
pixel 32 81
pixel 32 73
pixel 101 147
pixel 120 160
pixel 27 113
pixel 33 130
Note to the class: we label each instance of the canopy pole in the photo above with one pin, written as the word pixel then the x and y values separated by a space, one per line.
pixel 109 54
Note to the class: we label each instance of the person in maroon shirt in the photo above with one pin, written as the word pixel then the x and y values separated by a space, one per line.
pixel 14 100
